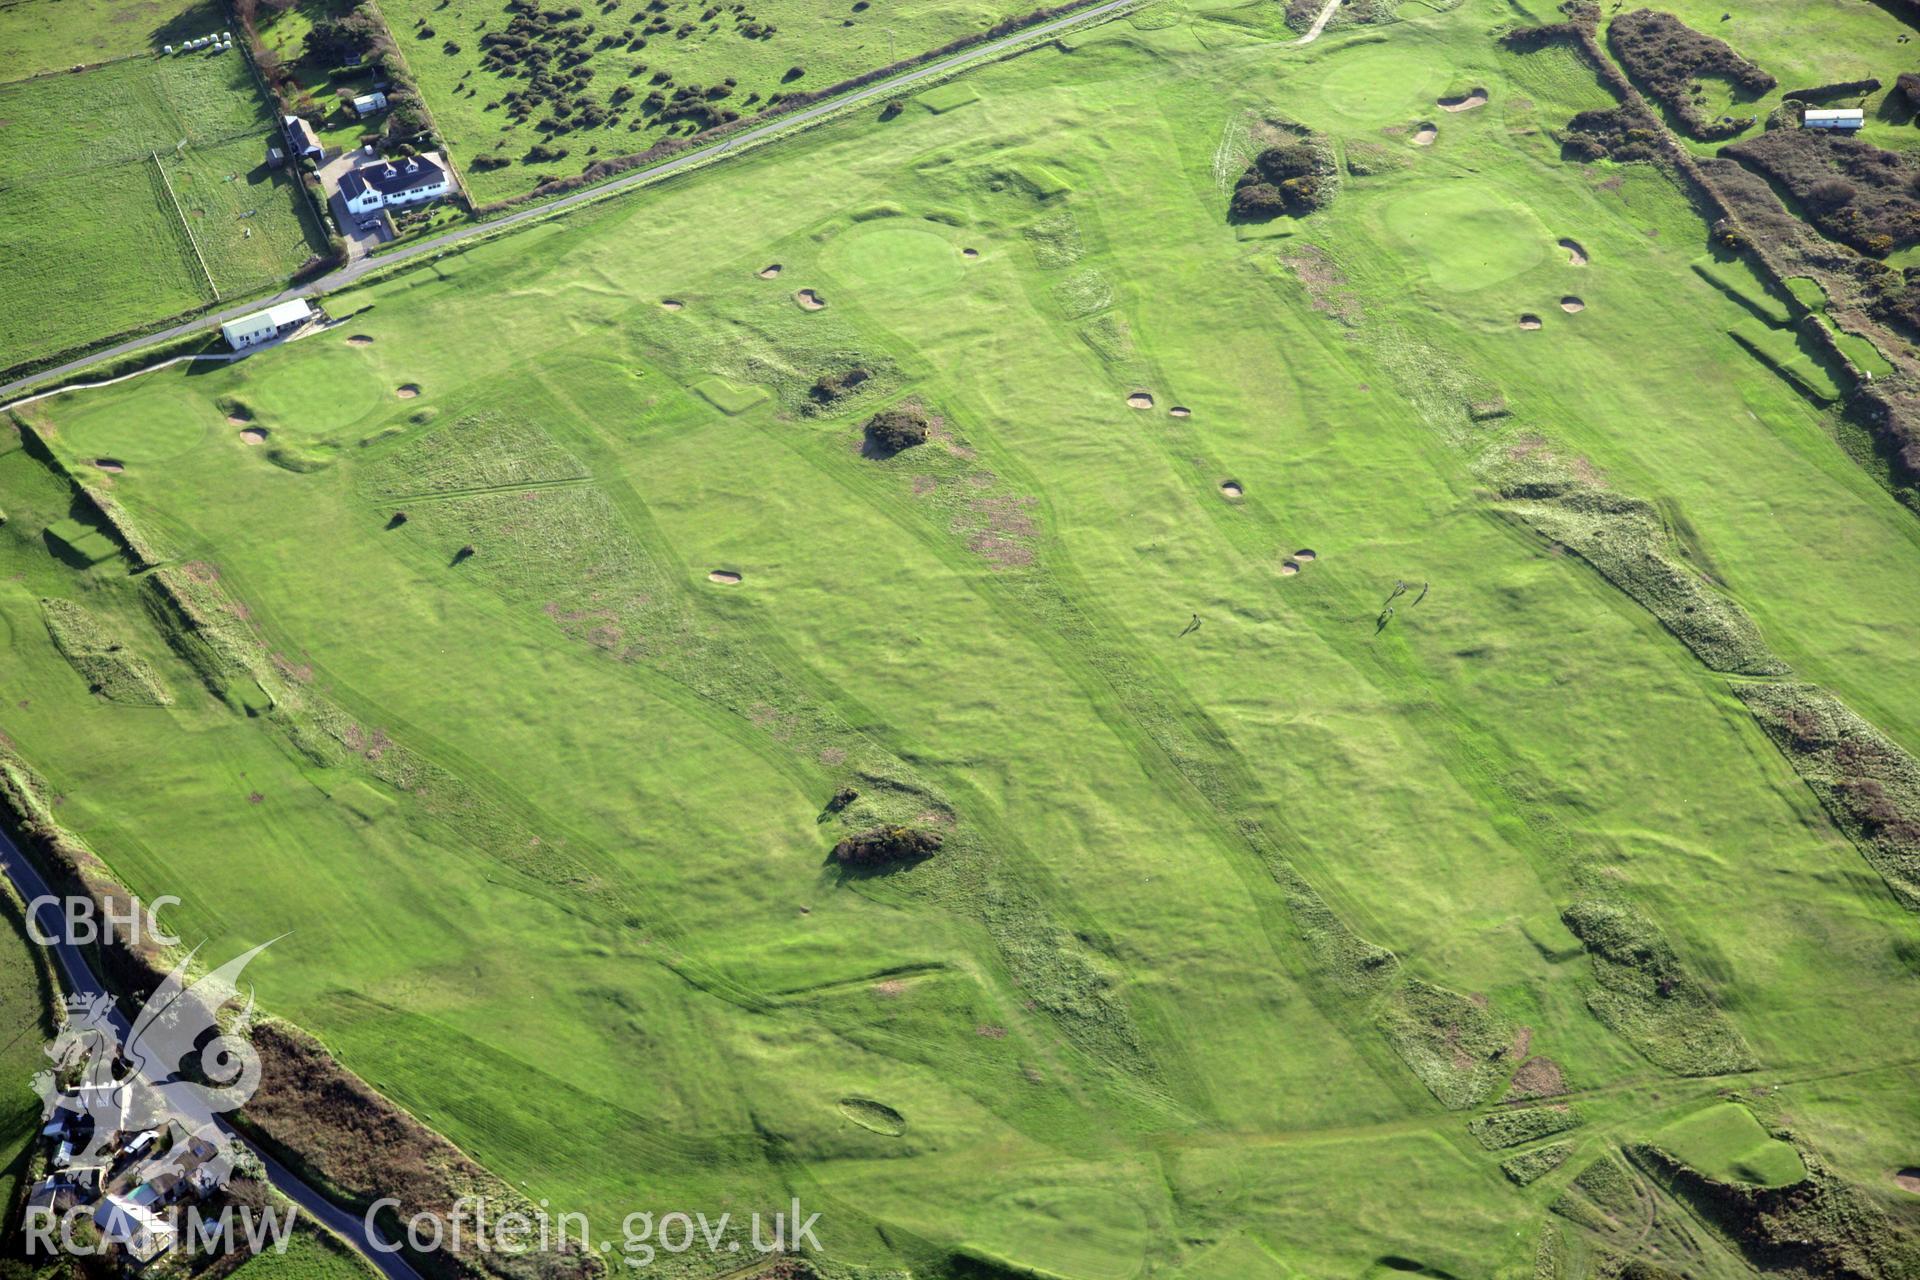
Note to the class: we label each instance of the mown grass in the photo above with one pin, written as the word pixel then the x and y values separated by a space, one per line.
pixel 1233 857
pixel 1726 1143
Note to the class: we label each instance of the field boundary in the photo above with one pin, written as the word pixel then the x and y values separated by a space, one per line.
pixel 186 226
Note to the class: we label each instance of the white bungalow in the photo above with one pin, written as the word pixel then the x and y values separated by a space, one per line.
pixel 392 184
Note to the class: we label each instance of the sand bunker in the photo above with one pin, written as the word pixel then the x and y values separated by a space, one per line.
pixel 810 300
pixel 1305 554
pixel 726 576
pixel 1424 136
pixel 359 340
pixel 1571 304
pixel 672 304
pixel 238 420
pixel 1140 400
pixel 1529 321
pixel 770 272
pixel 254 435
pixel 110 464
pixel 1467 102
pixel 1908 1180
pixel 1575 254
pixel 1231 488
pixel 969 253
pixel 407 390
pixel 1180 411
pixel 1288 568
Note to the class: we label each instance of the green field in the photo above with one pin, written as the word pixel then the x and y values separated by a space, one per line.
pixel 1334 780
pixel 110 180
pixel 26 1011
pixel 703 45
pixel 38 36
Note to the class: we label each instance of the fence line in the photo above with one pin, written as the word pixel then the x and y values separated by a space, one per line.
pixel 188 227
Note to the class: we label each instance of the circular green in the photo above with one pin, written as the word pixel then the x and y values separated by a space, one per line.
pixel 151 428
pixel 895 259
pixel 1381 84
pixel 311 388
pixel 1468 235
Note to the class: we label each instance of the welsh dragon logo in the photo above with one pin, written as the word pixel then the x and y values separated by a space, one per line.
pixel 172 1070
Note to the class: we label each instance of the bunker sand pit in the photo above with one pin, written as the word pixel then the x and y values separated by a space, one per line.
pixel 254 435
pixel 407 390
pixel 1908 1179
pixel 1140 400
pixel 809 300
pixel 969 253
pixel 359 340
pixel 110 464
pixel 1232 488
pixel 1288 568
pixel 726 577
pixel 770 272
pixel 1305 554
pixel 1529 321
pixel 1576 256
pixel 1572 304
pixel 1465 102
pixel 1180 411
pixel 672 304
pixel 1425 134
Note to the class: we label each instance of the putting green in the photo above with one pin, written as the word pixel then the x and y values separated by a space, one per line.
pixel 166 426
pixel 1468 236
pixel 1726 1142
pixel 895 257
pixel 335 386
pixel 1381 84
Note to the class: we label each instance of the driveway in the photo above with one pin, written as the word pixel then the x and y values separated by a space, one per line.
pixel 361 241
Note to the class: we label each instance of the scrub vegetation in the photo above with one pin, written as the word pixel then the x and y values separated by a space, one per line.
pixel 931 668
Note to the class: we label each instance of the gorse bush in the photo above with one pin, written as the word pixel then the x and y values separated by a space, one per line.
pixel 1668 58
pixel 1293 177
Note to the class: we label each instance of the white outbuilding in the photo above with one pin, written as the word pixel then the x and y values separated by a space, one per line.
pixel 264 326
pixel 1842 120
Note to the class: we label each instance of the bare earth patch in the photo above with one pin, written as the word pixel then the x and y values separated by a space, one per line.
pixel 1231 488
pixel 1425 134
pixel 809 300
pixel 1529 321
pixel 1140 400
pixel 1571 304
pixel 725 576
pixel 770 272
pixel 254 435
pixel 1538 1078
pixel 1465 102
pixel 110 464
pixel 407 390
pixel 359 340
pixel 889 988
pixel 1181 411
pixel 1575 254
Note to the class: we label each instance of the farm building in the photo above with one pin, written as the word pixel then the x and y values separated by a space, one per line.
pixel 264 326
pixel 1845 120
pixel 134 1228
pixel 393 183
pixel 303 140
pixel 368 103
